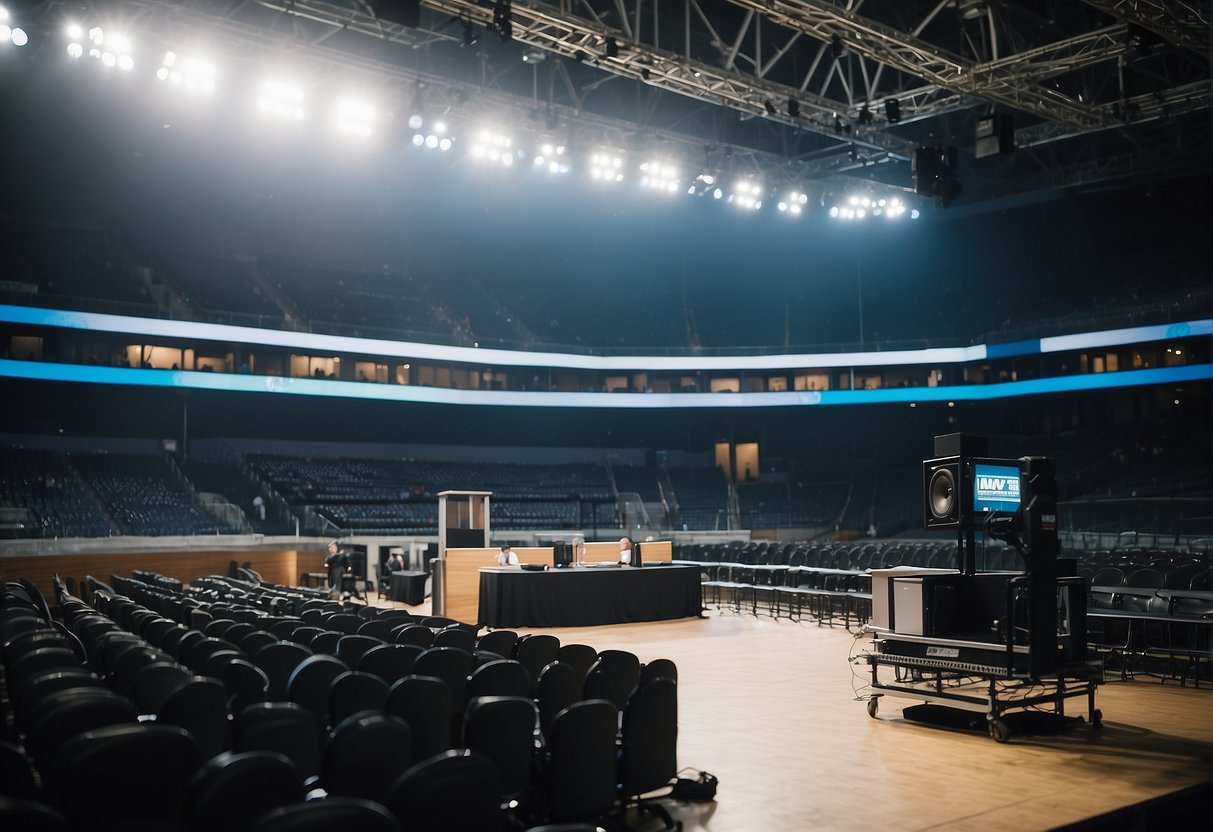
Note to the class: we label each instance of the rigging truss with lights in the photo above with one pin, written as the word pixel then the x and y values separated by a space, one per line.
pixel 799 89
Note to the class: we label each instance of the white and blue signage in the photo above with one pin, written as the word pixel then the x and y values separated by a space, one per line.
pixel 995 487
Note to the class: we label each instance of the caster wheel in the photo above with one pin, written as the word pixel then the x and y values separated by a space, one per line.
pixel 873 706
pixel 1097 718
pixel 999 730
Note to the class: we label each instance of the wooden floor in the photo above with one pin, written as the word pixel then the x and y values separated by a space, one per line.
pixel 776 710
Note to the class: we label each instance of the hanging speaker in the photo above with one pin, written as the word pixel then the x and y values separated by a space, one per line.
pixel 942 492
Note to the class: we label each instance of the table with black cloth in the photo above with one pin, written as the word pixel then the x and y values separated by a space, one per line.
pixel 408 587
pixel 587 596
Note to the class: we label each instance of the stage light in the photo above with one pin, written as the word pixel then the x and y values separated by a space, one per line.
pixel 606 165
pixel 551 156
pixel 702 185
pixel 111 49
pixel 793 203
pixel 191 74
pixel 354 117
pixel 659 176
pixel 495 147
pixel 746 194
pixel 833 210
pixel 914 214
pixel 16 35
pixel 433 139
pixel 281 99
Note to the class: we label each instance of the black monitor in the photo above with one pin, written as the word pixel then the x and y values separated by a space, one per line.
pixel 562 554
pixel 636 559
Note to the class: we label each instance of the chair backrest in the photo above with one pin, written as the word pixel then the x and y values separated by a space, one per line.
pixel 559 686
pixel 456 637
pixel 453 790
pixel 64 714
pixel 535 651
pixel 311 681
pixel 501 642
pixel 424 702
pixel 344 622
pixel 282 727
pixel 658 669
pixel 414 634
pixel 16 773
pixel 326 641
pixel 581 750
pixel 390 662
pixel 128 775
pixel 245 683
pixel 452 666
pixel 353 692
pixel 200 707
pixel 649 747
pixel 1109 576
pixel 366 754
pixel 504 677
pixel 154 682
pixel 257 639
pixel 380 628
pixel 502 728
pixel 279 662
pixel 330 814
pixel 1145 578
pixel 580 657
pixel 25 699
pixel 614 676
pixel 233 789
pixel 351 648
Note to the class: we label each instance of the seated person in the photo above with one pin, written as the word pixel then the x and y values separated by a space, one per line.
pixel 625 551
pixel 506 557
pixel 394 563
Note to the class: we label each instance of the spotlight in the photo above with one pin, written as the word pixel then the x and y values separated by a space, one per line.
pixel 865 114
pixel 702 185
pixel 611 48
pixel 491 146
pixel 503 20
pixel 606 165
pixel 281 99
pixel 793 203
pixel 551 156
pixel 793 108
pixel 836 48
pixel 111 49
pixel 769 105
pixel 534 56
pixel 659 176
pixel 746 194
pixel 892 110
pixel 191 74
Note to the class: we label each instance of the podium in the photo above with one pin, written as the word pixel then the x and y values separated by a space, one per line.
pixel 463 523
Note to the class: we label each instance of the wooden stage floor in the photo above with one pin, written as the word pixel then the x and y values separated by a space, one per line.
pixel 776 711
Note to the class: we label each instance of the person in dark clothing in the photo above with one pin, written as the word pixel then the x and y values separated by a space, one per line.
pixel 337 563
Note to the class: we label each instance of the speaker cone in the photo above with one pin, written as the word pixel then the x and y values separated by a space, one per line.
pixel 942 494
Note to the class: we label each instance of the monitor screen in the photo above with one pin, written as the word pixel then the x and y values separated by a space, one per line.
pixel 995 487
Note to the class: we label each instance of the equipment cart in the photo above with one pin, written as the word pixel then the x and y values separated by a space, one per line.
pixel 975 675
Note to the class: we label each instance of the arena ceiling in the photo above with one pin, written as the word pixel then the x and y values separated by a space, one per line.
pixel 1093 92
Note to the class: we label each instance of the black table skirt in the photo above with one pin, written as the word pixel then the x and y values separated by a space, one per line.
pixel 582 597
pixel 408 587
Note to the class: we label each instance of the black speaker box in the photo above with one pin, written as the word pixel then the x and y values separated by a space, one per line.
pixel 995 136
pixel 941 487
